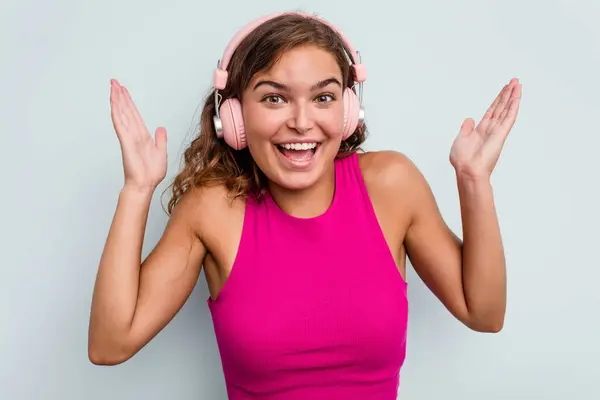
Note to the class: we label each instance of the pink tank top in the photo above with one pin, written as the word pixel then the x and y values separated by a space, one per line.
pixel 314 308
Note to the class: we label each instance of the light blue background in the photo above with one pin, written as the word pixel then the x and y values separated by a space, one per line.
pixel 430 64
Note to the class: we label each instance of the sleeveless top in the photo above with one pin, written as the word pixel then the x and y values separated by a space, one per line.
pixel 314 308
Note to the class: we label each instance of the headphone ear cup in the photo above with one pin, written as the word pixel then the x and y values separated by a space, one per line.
pixel 232 120
pixel 351 113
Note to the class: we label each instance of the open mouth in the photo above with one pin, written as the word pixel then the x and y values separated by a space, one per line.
pixel 298 152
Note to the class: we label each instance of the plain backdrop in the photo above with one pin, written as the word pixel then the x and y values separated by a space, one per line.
pixel 430 64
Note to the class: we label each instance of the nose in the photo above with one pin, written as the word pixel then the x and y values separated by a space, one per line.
pixel 301 119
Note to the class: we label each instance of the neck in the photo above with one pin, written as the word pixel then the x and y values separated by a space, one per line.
pixel 306 203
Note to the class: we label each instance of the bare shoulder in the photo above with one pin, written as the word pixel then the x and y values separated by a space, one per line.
pixel 210 210
pixel 387 167
pixel 392 178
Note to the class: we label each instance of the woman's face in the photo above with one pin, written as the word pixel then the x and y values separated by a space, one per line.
pixel 294 116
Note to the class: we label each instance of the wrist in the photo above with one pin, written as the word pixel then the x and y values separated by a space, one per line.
pixel 473 179
pixel 139 192
pixel 474 189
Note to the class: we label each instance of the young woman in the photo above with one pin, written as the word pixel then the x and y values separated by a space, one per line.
pixel 303 237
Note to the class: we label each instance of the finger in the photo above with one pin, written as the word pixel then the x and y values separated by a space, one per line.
pixel 120 122
pixel 467 127
pixel 504 98
pixel 161 139
pixel 127 114
pixel 511 114
pixel 120 103
pixel 135 114
pixel 486 119
pixel 515 94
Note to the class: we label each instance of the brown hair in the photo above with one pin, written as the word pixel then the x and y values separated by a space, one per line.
pixel 208 159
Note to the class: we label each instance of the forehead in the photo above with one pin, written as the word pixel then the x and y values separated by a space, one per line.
pixel 302 65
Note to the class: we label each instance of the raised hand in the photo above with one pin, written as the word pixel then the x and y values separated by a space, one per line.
pixel 476 149
pixel 144 157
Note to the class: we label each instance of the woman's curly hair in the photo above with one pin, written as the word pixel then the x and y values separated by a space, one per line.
pixel 208 159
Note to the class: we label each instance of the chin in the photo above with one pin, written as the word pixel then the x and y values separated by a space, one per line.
pixel 294 181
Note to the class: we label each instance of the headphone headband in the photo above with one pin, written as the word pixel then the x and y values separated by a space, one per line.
pixel 220 75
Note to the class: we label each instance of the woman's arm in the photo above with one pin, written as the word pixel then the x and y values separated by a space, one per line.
pixel 469 276
pixel 133 301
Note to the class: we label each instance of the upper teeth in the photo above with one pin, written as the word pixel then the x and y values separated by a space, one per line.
pixel 299 146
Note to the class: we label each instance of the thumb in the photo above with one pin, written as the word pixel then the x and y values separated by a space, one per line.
pixel 467 127
pixel 161 139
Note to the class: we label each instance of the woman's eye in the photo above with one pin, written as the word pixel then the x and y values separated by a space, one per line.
pixel 324 98
pixel 273 99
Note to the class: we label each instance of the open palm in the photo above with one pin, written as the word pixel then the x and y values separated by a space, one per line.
pixel 144 157
pixel 476 149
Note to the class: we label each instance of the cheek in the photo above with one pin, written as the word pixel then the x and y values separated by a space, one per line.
pixel 332 122
pixel 261 124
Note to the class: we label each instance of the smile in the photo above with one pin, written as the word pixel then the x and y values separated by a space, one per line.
pixel 298 155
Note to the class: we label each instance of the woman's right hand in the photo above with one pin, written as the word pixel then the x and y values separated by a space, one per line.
pixel 144 158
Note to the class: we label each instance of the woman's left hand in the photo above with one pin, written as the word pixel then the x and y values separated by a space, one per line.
pixel 476 149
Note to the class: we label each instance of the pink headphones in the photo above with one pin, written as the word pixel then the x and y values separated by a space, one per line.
pixel 228 121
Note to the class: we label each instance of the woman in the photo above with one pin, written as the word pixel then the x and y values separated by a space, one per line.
pixel 303 239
